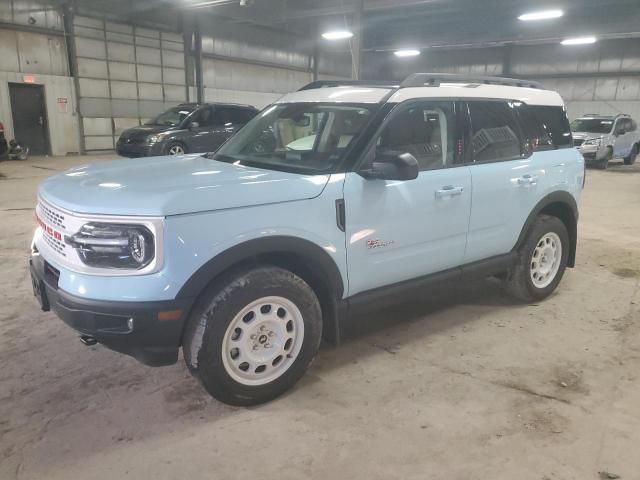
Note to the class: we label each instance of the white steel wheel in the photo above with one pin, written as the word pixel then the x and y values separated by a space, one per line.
pixel 262 341
pixel 176 150
pixel 545 260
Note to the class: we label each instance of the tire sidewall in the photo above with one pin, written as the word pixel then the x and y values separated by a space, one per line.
pixel 219 314
pixel 543 226
pixel 173 144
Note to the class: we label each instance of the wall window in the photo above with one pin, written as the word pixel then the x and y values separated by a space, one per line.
pixel 556 123
pixel 495 132
pixel 536 136
pixel 425 130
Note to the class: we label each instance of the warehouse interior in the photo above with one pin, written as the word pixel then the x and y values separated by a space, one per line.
pixel 461 383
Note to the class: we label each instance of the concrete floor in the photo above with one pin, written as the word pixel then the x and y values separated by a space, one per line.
pixel 464 385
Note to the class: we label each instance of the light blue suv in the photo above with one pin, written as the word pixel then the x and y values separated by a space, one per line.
pixel 335 198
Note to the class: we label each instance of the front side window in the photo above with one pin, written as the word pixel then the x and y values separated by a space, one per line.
pixel 173 116
pixel 204 117
pixel 300 137
pixel 425 130
pixel 495 133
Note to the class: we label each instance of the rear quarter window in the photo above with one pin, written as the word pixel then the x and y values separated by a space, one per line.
pixel 555 122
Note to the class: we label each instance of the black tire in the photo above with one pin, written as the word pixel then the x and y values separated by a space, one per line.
pixel 172 146
pixel 520 283
pixel 631 159
pixel 604 163
pixel 216 309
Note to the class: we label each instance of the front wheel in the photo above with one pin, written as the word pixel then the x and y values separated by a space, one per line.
pixel 542 260
pixel 175 148
pixel 252 336
pixel 631 159
pixel 603 163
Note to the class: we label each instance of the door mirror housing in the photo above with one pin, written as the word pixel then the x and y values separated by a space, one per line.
pixel 392 166
pixel 193 125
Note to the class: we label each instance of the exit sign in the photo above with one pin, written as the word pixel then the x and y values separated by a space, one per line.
pixel 28 78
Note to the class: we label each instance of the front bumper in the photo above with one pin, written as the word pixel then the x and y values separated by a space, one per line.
pixel 593 153
pixel 135 150
pixel 133 328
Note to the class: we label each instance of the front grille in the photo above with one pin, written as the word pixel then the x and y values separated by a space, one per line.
pixel 577 142
pixel 52 217
pixel 56 245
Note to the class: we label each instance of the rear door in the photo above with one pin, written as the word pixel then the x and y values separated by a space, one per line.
pixel 237 118
pixel 506 183
pixel 625 137
pixel 400 230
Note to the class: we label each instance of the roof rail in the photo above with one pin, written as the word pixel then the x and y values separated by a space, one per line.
pixel 435 79
pixel 347 83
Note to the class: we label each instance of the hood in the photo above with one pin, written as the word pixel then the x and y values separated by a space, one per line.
pixel 588 135
pixel 173 185
pixel 143 131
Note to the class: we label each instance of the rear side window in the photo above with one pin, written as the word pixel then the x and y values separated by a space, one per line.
pixel 240 116
pixel 495 132
pixel 536 136
pixel 554 120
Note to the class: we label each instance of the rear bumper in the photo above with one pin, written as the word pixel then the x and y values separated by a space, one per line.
pixel 132 328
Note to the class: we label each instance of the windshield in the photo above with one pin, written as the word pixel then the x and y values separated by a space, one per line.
pixel 172 117
pixel 592 125
pixel 300 137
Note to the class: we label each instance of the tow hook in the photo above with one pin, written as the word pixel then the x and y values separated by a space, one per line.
pixel 88 340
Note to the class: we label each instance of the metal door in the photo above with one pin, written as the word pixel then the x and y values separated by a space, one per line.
pixel 30 117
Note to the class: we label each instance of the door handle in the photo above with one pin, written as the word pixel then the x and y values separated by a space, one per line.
pixel 449 191
pixel 528 180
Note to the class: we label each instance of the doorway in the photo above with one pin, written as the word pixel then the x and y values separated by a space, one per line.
pixel 30 117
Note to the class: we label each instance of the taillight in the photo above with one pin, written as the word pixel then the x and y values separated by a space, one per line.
pixel 1 127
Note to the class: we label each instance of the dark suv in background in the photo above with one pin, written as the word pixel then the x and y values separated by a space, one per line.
pixel 187 128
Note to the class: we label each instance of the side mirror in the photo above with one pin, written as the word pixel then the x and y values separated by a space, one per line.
pixel 194 125
pixel 392 166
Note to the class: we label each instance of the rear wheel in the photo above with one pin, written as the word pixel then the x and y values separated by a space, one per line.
pixel 542 260
pixel 631 158
pixel 253 335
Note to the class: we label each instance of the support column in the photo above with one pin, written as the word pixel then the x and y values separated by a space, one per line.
pixel 506 60
pixel 356 43
pixel 197 49
pixel 68 12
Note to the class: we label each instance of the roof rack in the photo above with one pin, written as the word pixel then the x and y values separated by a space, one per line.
pixel 435 79
pixel 347 83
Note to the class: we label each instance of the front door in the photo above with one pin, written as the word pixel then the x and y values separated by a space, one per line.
pixel 400 230
pixel 625 137
pixel 29 117
pixel 203 137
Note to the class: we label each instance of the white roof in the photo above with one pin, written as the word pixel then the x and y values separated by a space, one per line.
pixel 337 95
pixel 361 94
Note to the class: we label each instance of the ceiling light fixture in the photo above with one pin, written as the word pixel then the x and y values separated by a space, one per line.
pixel 541 15
pixel 578 41
pixel 407 52
pixel 337 35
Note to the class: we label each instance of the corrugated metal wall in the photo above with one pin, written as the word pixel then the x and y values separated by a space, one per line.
pixel 44 58
pixel 600 78
pixel 126 75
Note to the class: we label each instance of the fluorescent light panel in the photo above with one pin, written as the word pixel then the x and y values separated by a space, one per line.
pixel 407 52
pixel 337 35
pixel 540 15
pixel 579 41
